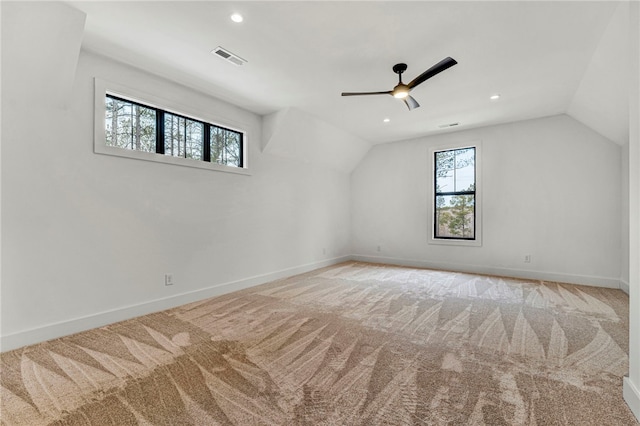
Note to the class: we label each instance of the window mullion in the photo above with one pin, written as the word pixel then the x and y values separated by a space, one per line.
pixel 455 170
pixel 133 146
pixel 159 131
pixel 206 149
pixel 184 136
pixel 456 193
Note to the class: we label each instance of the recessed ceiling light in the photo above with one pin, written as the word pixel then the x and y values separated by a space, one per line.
pixel 386 120
pixel 495 97
pixel 236 17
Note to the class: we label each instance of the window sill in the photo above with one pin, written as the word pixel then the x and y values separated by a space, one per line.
pixel 463 243
pixel 161 158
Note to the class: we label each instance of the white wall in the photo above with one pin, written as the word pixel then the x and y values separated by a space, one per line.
pixel 551 189
pixel 624 220
pixel 632 382
pixel 600 101
pixel 297 135
pixel 88 238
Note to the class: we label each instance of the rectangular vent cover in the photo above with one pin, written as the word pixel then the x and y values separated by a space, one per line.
pixel 228 56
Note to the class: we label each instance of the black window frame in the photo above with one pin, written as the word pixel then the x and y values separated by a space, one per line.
pixel 160 132
pixel 436 194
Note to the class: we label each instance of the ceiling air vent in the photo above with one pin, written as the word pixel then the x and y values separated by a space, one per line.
pixel 228 56
pixel 446 126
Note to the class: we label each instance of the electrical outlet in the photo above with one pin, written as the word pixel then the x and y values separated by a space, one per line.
pixel 168 279
pixel 324 250
pixel 379 248
pixel 527 258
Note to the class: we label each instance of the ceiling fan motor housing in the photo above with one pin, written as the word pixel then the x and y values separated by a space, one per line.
pixel 399 68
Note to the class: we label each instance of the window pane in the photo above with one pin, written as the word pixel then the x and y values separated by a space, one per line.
pixel 455 216
pixel 146 129
pixel 465 169
pixel 194 139
pixel 455 170
pixel 124 125
pixel 174 140
pixel 130 126
pixel 183 137
pixel 445 160
pixel 226 146
pixel 233 148
pixel 217 144
pixel 445 181
pixel 445 176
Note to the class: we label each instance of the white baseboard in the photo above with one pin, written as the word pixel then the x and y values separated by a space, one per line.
pixel 65 328
pixel 624 286
pixel 631 395
pixel 490 270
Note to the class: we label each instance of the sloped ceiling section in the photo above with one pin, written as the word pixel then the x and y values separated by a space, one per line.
pixel 601 101
pixel 48 50
pixel 292 133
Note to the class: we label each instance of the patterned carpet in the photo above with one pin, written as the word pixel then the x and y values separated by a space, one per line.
pixel 352 344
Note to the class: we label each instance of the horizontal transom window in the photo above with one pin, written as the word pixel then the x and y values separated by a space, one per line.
pixel 135 126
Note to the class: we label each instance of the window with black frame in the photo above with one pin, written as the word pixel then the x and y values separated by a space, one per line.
pixel 138 127
pixel 455 194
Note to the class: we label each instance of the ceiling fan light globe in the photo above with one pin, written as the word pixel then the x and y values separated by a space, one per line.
pixel 401 91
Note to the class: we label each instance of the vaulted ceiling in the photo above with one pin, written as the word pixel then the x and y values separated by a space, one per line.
pixel 543 58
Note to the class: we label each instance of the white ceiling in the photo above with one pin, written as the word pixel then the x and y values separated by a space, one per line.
pixel 304 54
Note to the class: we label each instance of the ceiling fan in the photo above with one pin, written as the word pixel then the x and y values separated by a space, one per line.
pixel 401 91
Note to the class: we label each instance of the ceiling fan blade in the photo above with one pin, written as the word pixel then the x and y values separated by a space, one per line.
pixel 365 93
pixel 411 103
pixel 447 62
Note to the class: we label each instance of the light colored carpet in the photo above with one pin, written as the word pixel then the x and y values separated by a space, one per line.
pixel 352 344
